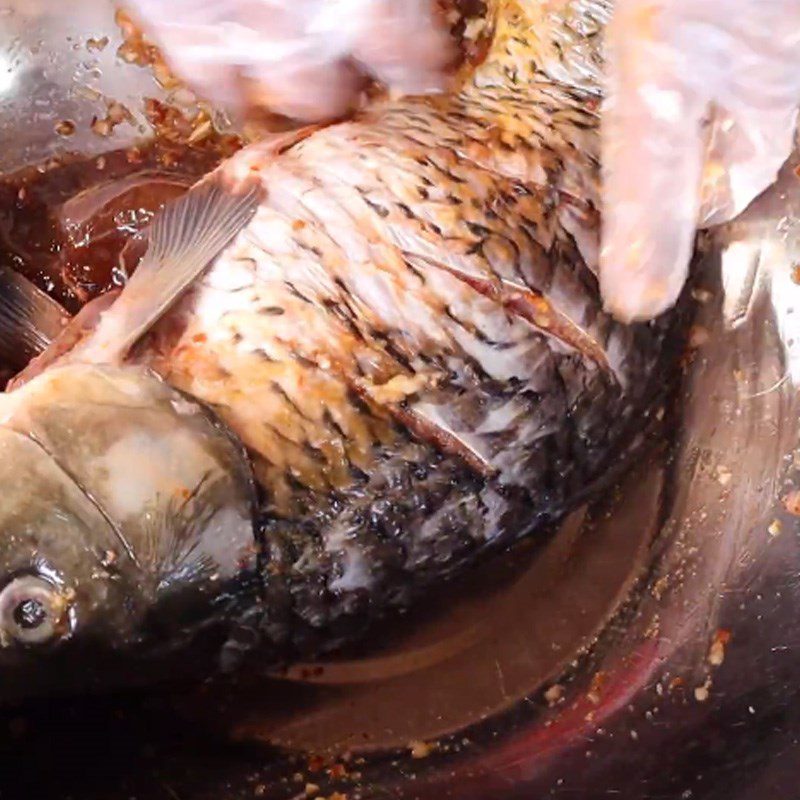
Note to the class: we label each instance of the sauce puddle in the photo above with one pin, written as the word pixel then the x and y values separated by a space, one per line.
pixel 64 224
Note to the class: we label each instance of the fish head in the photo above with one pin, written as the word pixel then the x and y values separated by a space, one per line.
pixel 126 532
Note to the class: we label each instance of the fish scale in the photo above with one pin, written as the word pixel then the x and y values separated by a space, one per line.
pixel 408 335
pixel 486 246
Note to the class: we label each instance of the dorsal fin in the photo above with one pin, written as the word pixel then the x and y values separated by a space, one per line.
pixel 29 319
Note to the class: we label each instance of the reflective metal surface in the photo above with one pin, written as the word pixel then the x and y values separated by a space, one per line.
pixel 49 72
pixel 649 649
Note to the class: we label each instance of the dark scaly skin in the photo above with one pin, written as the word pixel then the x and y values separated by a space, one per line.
pixel 409 341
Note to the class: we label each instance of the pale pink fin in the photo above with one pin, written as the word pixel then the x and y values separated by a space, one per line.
pixel 183 241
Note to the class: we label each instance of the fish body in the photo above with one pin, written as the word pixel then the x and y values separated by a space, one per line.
pixel 409 341
pixel 406 335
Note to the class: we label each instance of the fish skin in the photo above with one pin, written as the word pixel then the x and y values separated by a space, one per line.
pixel 408 335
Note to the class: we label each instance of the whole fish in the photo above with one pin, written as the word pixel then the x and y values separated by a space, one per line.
pixel 352 361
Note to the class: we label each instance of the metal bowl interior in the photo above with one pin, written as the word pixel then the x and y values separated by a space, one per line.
pixel 647 649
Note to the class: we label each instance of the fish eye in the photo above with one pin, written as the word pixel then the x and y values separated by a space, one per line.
pixel 32 611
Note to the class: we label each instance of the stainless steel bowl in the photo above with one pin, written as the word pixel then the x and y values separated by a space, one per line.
pixel 648 650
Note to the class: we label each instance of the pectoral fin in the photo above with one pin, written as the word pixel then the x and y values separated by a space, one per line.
pixel 183 241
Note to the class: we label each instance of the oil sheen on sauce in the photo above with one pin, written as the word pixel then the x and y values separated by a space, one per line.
pixel 64 224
